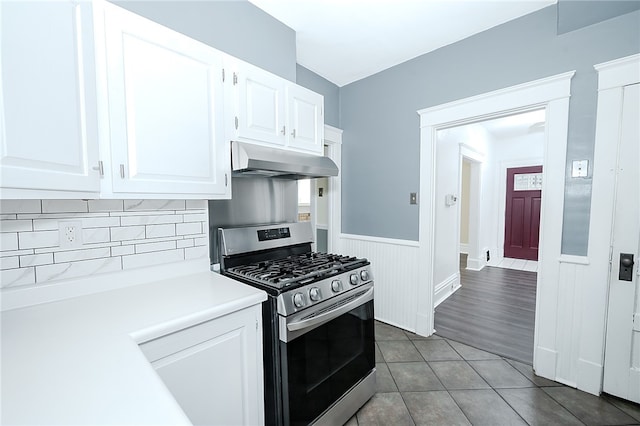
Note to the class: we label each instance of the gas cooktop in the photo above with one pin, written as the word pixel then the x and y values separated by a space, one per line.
pixel 296 270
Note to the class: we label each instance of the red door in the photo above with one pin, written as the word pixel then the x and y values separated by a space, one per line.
pixel 522 217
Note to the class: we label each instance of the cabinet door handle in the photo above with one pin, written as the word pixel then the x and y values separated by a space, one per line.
pixel 226 180
pixel 293 133
pixel 122 171
pixel 284 130
pixel 99 168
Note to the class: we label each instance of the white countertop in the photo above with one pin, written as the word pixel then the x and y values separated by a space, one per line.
pixel 77 361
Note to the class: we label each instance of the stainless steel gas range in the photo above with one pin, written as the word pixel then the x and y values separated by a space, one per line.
pixel 318 322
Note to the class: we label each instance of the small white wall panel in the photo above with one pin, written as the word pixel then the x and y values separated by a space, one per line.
pixel 396 277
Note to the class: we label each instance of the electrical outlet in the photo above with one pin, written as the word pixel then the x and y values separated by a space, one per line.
pixel 70 233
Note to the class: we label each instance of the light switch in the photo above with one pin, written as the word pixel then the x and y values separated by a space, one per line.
pixel 413 198
pixel 579 168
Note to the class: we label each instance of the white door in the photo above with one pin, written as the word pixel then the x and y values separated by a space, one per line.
pixel 261 109
pixel 165 109
pixel 48 133
pixel 306 122
pixel 622 352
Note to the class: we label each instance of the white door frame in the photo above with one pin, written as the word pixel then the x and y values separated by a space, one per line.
pixel 333 141
pixel 474 251
pixel 612 77
pixel 553 94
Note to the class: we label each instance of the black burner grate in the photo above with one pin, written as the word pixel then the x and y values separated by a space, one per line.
pixel 296 269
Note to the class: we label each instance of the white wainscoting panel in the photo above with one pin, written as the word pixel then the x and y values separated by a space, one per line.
pixel 579 326
pixel 395 265
pixel 446 288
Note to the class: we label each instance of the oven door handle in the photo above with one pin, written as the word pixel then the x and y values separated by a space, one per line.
pixel 327 316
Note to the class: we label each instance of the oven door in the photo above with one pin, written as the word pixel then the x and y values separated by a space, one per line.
pixel 327 352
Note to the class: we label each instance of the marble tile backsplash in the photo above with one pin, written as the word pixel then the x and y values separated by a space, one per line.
pixel 116 235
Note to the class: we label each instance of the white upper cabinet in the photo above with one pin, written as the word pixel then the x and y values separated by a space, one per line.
pixel 48 127
pixel 306 123
pixel 165 97
pixel 270 110
pixel 261 106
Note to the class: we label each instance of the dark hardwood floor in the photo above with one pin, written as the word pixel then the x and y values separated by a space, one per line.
pixel 493 311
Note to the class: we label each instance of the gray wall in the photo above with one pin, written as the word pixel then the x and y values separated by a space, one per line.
pixel 381 128
pixel 330 91
pixel 574 14
pixel 235 27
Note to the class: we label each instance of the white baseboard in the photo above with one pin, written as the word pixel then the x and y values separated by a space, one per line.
pixel 421 328
pixel 446 288
pixel 589 376
pixel 475 264
pixel 545 362
pixel 464 248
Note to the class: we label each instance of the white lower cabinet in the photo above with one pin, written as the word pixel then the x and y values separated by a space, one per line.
pixel 214 369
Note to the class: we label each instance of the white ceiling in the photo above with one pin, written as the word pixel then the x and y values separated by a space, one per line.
pixel 516 125
pixel 347 40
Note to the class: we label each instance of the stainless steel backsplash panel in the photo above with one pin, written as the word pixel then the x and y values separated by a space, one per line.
pixel 254 201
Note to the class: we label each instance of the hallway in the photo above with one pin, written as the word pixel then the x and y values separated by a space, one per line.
pixel 493 311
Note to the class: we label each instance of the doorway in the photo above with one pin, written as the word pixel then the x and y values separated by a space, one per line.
pixel 319 200
pixel 522 212
pixel 493 309
pixel 552 95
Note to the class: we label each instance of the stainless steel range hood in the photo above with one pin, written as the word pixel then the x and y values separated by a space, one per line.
pixel 254 160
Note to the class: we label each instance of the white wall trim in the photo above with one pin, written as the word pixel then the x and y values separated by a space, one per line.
pixel 392 241
pixel 551 93
pixel 23 296
pixel 446 288
pixel 476 161
pixel 618 73
pixel 589 374
pixel 537 92
pixel 333 140
pixel 476 264
pixel 612 77
pixel 576 260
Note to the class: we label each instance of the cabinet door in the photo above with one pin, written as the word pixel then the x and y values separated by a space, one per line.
pixel 261 106
pixel 214 369
pixel 165 109
pixel 48 118
pixel 306 123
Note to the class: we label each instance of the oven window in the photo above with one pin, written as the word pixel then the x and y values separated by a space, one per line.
pixel 327 361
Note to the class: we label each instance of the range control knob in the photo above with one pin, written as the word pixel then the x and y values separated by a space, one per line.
pixel 336 286
pixel 298 300
pixel 314 294
pixel 354 279
pixel 364 275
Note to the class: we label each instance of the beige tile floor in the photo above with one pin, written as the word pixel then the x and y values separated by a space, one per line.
pixel 517 264
pixel 435 381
